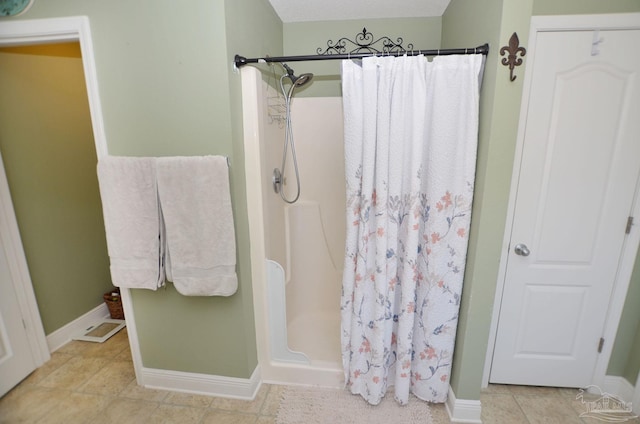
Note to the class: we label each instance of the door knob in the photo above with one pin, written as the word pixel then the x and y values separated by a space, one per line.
pixel 521 249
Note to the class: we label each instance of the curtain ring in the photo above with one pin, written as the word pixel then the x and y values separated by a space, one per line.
pixel 475 50
pixel 438 52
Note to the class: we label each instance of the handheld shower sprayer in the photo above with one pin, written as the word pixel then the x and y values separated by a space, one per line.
pixel 279 174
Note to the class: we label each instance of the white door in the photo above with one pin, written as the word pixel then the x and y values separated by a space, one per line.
pixel 16 360
pixel 16 357
pixel 580 164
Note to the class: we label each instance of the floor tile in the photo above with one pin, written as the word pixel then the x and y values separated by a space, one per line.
pixel 570 393
pixel 110 348
pixel 224 417
pixel 30 404
pixel 14 394
pixel 74 373
pixel 501 409
pixel 88 382
pixel 176 414
pixel 239 405
pixel 75 347
pixel 533 390
pixel 497 389
pixel 56 361
pixel 547 409
pixel 110 380
pixel 134 391
pixel 75 408
pixel 272 400
pixel 126 411
pixel 187 399
pixel 125 355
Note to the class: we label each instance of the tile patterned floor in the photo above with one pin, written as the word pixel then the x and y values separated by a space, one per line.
pixel 94 383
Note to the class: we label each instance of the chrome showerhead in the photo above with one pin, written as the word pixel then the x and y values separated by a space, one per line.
pixel 297 81
pixel 302 79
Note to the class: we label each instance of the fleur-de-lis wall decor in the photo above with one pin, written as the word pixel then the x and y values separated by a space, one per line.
pixel 512 60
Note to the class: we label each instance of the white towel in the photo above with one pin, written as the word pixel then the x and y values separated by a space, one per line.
pixel 131 219
pixel 196 206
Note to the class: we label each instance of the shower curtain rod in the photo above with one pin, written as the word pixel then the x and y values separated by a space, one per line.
pixel 241 60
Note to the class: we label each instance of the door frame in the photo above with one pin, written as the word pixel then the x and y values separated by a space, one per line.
pixel 540 24
pixel 42 31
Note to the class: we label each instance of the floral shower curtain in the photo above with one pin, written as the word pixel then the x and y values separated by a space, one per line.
pixel 411 130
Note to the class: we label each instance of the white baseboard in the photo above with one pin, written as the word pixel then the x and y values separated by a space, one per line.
pixel 203 384
pixel 63 335
pixel 618 387
pixel 463 411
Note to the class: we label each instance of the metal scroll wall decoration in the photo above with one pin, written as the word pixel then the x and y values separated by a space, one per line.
pixel 365 42
pixel 512 60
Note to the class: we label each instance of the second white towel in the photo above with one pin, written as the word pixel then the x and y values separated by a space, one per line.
pixel 200 238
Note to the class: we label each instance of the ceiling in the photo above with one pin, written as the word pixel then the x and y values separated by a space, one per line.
pixel 333 10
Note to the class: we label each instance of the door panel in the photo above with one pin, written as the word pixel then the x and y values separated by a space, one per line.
pixel 576 169
pixel 580 164
pixel 544 335
pixel 16 359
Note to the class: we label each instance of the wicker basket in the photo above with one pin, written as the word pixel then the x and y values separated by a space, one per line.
pixel 114 303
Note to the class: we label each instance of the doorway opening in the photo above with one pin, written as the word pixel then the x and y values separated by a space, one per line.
pixel 33 38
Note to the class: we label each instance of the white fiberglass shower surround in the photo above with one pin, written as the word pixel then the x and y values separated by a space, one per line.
pixel 297 250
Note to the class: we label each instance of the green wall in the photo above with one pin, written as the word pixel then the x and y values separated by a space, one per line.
pixel 574 7
pixel 466 23
pixel 48 150
pixel 166 87
pixel 304 38
pixel 625 357
pixel 633 364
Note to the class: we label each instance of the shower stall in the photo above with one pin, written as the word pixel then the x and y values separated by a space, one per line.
pixel 297 249
pixel 298 244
